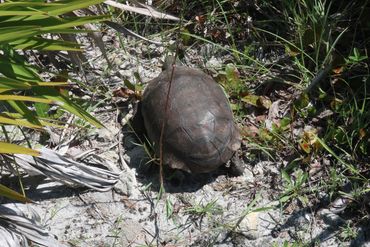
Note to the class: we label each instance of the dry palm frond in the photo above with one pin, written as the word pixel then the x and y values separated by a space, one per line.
pixel 143 10
pixel 19 224
pixel 10 238
pixel 65 170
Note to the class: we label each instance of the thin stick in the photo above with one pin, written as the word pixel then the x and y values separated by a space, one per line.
pixel 164 122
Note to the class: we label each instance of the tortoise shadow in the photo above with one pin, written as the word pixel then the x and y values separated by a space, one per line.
pixel 40 188
pixel 175 181
pixel 147 172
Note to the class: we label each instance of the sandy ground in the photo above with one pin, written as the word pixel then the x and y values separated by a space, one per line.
pixel 215 209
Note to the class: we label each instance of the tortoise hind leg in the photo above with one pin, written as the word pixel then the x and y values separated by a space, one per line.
pixel 236 165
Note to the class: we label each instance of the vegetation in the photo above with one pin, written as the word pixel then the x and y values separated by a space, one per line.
pixel 33 26
pixel 311 57
pixel 297 73
pixel 299 84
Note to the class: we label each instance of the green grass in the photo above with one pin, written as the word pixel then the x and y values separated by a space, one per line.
pixel 200 210
pixel 309 55
pixel 322 66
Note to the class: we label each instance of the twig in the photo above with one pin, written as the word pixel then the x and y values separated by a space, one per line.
pixel 164 121
pixel 320 75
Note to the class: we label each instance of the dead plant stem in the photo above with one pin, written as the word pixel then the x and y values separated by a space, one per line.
pixel 164 122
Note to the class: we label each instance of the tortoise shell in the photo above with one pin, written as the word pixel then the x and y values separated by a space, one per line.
pixel 199 133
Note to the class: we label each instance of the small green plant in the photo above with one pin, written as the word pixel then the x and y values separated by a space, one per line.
pixel 348 232
pixel 169 208
pixel 355 58
pixel 294 187
pixel 116 230
pixel 232 82
pixel 335 181
pixel 207 209
pixel 291 244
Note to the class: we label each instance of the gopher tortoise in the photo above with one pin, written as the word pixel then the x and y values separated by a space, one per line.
pixel 199 133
